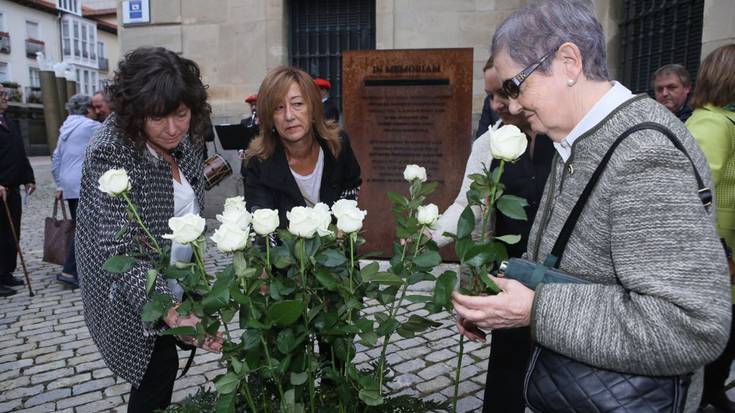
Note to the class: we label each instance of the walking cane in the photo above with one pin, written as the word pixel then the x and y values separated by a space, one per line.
pixel 17 245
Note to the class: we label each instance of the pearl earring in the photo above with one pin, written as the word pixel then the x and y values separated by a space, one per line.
pixel 570 82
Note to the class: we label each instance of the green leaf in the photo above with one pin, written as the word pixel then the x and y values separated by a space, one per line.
pixel 490 284
pixel 418 298
pixel 397 199
pixel 121 232
pixel 386 278
pixel 418 324
pixel 297 379
pixel 443 289
pixel 387 327
pixel 219 296
pixel 225 403
pixel 331 258
pixel 466 223
pixel 461 246
pixel 420 276
pixel 251 338
pixel 369 269
pixel 512 206
pixel 119 263
pixel 281 257
pixel 285 313
pixel 428 259
pixel 371 397
pixel 483 254
pixel 509 239
pixel 364 324
pixel 369 339
pixel 180 331
pixel 427 188
pixel 156 307
pixel 227 383
pixel 326 279
pixel 150 279
pixel 287 341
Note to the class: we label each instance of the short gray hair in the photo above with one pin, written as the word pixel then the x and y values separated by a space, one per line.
pixel 78 104
pixel 535 30
pixel 674 68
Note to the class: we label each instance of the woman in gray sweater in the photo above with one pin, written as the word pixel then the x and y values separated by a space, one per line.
pixel 656 300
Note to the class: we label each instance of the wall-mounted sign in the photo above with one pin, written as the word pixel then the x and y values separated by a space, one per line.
pixel 136 11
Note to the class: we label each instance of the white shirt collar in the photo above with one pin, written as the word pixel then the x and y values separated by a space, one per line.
pixel 614 97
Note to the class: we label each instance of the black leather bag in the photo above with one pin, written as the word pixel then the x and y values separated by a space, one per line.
pixel 556 383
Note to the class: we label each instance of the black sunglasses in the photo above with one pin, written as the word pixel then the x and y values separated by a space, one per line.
pixel 512 87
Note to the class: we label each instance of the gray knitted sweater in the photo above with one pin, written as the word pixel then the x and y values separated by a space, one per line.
pixel 659 302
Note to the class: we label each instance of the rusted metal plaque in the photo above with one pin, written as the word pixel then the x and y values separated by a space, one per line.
pixel 407 107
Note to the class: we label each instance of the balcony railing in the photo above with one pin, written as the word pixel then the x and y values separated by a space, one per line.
pixel 33 46
pixel 33 95
pixel 14 90
pixel 5 42
pixel 103 64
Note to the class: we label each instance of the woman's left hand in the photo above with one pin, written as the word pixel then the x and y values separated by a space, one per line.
pixel 508 309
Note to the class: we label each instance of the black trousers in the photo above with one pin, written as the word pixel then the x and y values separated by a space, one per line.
pixel 157 386
pixel 8 250
pixel 717 372
pixel 70 264
pixel 510 350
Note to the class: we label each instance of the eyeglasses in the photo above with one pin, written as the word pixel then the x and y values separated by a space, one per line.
pixel 512 87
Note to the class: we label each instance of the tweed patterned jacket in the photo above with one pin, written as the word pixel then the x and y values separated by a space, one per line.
pixel 659 298
pixel 113 302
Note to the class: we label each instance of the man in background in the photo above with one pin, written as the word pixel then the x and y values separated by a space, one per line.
pixel 330 109
pixel 488 117
pixel 15 170
pixel 101 105
pixel 671 85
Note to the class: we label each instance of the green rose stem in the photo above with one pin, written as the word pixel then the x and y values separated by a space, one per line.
pixel 352 237
pixel 394 311
pixel 203 273
pixel 284 406
pixel 134 211
pixel 309 341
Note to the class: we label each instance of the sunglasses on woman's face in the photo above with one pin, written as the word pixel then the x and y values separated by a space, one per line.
pixel 512 87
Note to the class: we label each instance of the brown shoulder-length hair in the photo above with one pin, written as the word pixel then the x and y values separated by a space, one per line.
pixel 271 94
pixel 153 81
pixel 716 78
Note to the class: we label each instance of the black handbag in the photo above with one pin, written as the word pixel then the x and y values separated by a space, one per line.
pixel 58 235
pixel 557 383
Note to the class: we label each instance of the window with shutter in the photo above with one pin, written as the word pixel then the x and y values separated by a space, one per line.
pixel 322 29
pixel 658 32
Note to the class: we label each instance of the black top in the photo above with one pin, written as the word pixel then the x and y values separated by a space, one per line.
pixel 487 118
pixel 330 110
pixel 525 178
pixel 684 113
pixel 270 184
pixel 15 169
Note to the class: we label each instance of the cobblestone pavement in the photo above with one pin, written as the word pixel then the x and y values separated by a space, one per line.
pixel 48 361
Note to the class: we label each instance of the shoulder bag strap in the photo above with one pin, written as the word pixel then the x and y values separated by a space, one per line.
pixel 705 194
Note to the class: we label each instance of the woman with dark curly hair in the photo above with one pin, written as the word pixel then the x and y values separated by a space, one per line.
pixel 160 112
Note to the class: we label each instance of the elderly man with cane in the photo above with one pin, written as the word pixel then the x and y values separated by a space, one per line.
pixel 15 170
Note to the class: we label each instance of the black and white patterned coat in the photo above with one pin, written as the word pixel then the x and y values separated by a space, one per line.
pixel 113 302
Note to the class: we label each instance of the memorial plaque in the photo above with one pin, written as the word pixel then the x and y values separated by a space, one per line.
pixel 407 107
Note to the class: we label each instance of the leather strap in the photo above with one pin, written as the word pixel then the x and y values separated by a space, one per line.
pixel 705 194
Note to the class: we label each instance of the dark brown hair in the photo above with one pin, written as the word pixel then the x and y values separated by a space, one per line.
pixel 271 94
pixel 153 81
pixel 716 78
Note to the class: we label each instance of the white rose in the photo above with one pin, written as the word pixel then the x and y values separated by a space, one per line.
pixel 230 239
pixel 235 202
pixel 350 220
pixel 427 214
pixel 340 207
pixel 186 229
pixel 301 222
pixel 234 216
pixel 114 182
pixel 265 221
pixel 414 172
pixel 321 215
pixel 508 143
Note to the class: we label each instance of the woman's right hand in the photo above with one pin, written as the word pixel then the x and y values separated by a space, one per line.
pixel 210 343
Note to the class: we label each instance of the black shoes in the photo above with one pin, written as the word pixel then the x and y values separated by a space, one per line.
pixel 10 281
pixel 71 280
pixel 6 292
